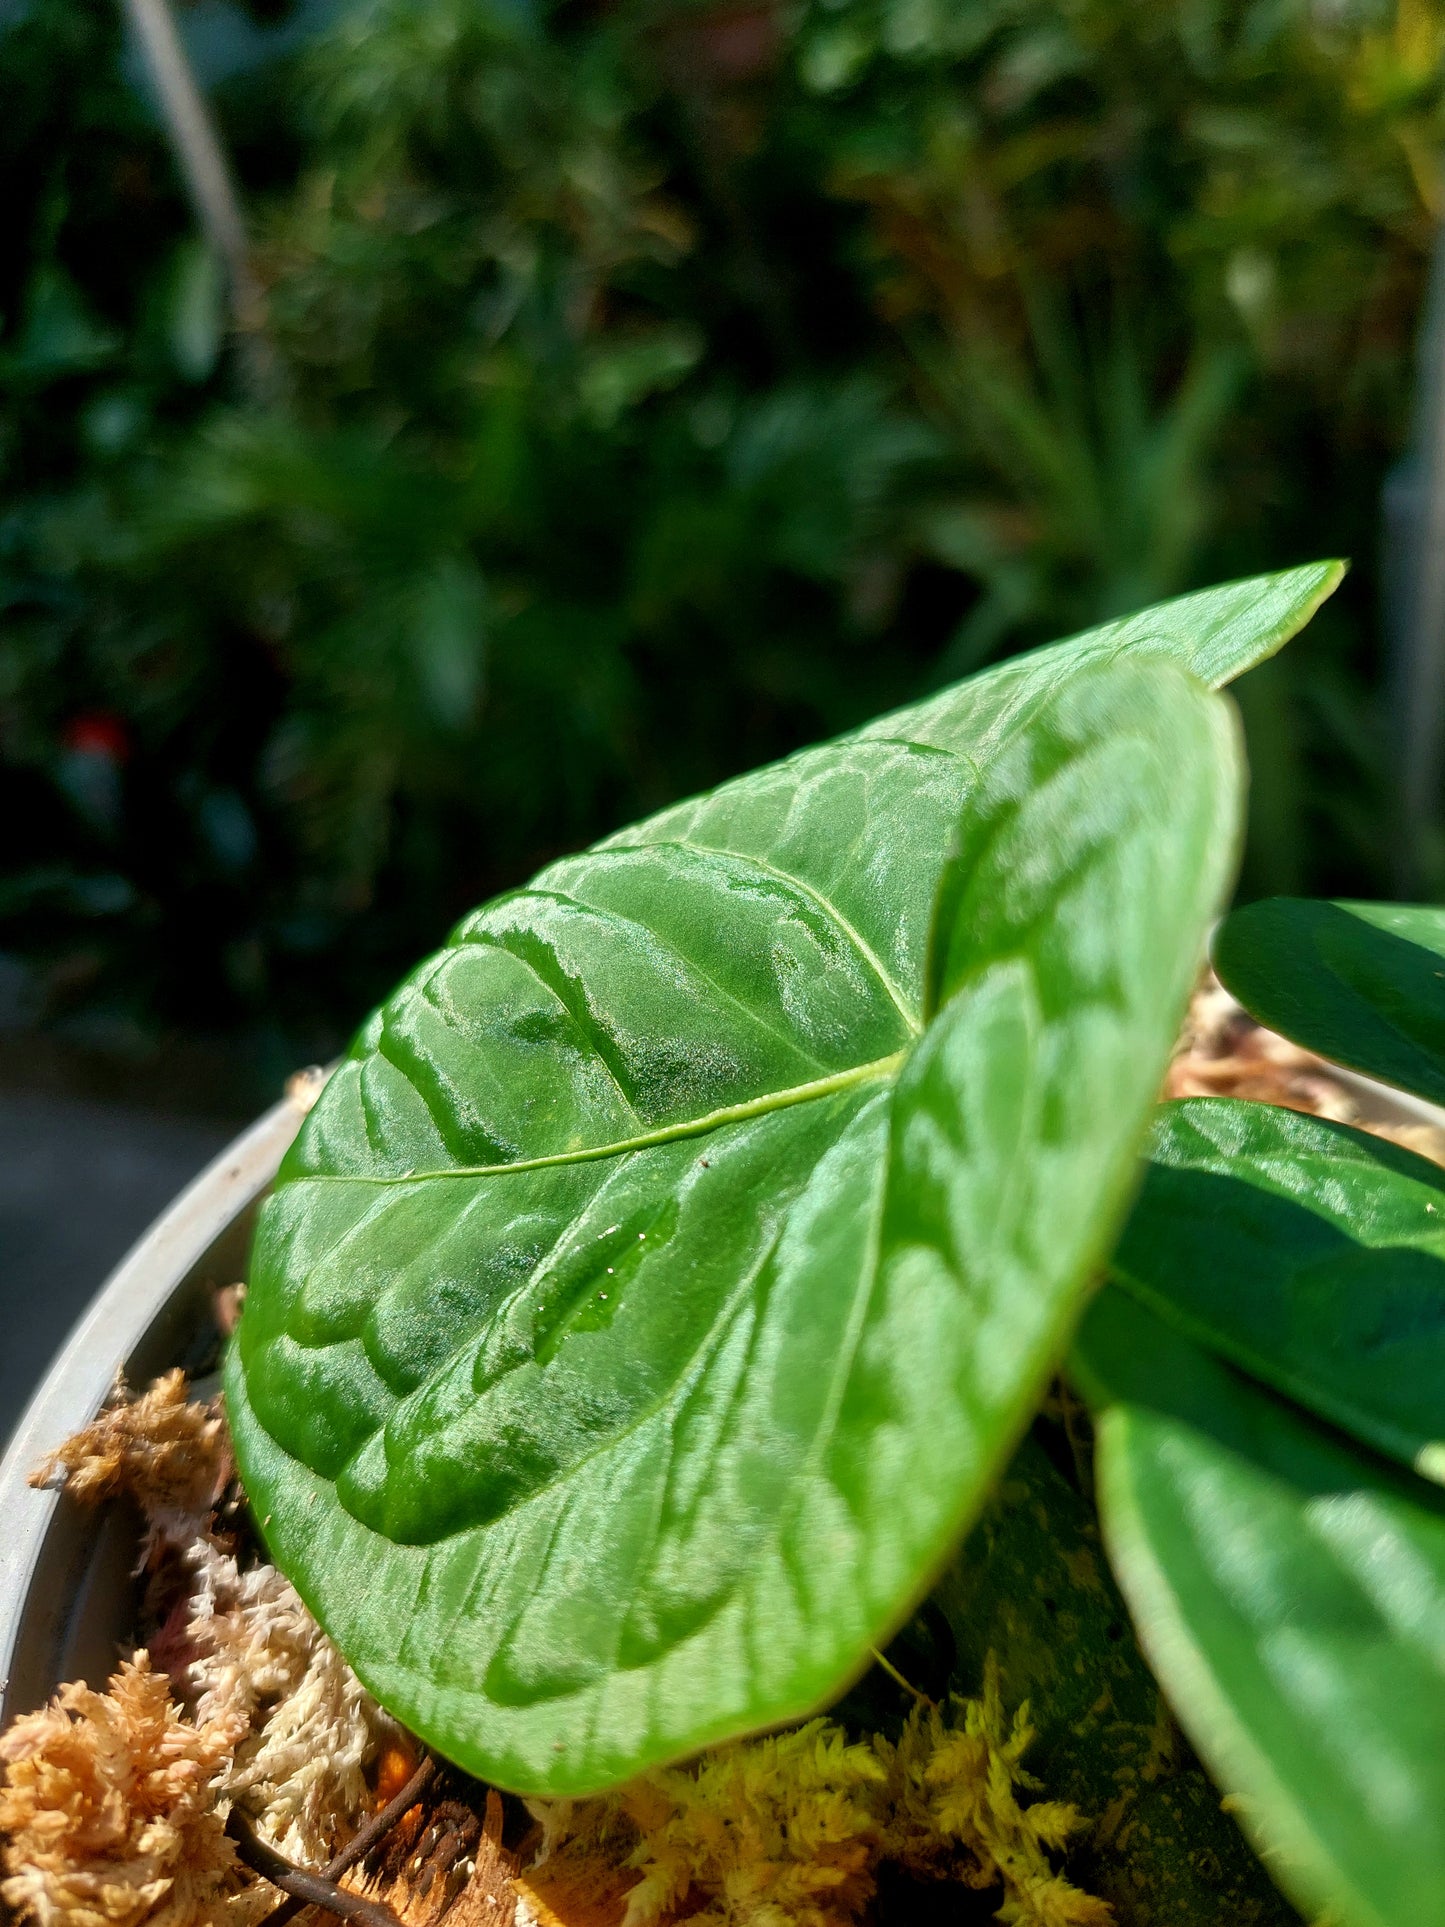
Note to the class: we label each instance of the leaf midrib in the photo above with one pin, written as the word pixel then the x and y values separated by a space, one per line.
pixel 879 1067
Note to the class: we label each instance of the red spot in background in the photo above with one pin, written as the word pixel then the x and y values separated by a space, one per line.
pixel 97 732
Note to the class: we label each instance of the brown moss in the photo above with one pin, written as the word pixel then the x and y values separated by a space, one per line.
pixel 1224 1053
pixel 169 1454
pixel 108 1812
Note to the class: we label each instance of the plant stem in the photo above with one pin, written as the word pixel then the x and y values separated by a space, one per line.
pixel 1418 669
pixel 882 1659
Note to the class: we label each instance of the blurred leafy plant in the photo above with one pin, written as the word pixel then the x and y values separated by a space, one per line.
pixel 668 384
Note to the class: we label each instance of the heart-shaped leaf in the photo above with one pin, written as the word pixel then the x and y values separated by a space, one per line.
pixel 1361 983
pixel 1309 1254
pixel 655 1290
pixel 1290 1594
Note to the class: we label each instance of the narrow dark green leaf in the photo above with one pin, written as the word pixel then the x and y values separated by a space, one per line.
pixel 1290 1594
pixel 1309 1254
pixel 1361 983
pixel 651 1297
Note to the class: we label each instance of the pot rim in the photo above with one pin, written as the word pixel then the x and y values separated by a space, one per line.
pixel 136 1295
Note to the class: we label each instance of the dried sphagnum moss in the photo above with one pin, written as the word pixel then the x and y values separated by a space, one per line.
pixel 255 1706
pixel 115 1802
pixel 114 1808
pixel 169 1453
pixel 308 1726
pixel 109 1813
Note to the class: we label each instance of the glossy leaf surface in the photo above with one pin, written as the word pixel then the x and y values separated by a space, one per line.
pixel 1290 1594
pixel 1361 983
pixel 660 1282
pixel 1309 1254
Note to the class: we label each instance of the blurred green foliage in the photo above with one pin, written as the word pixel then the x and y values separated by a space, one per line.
pixel 666 384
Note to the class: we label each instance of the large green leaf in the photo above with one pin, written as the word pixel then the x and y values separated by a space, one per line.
pixel 1310 1254
pixel 1290 1594
pixel 657 1287
pixel 1362 983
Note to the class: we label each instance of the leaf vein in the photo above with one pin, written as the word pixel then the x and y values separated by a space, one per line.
pixel 817 1087
pixel 690 964
pixel 830 909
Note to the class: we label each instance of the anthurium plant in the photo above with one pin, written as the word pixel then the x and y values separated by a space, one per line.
pixel 663 1282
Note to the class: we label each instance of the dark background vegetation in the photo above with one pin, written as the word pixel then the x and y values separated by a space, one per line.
pixel 661 386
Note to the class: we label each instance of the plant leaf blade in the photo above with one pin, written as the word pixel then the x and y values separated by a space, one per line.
pixel 1291 1596
pixel 1216 634
pixel 1310 1255
pixel 647 1304
pixel 1361 983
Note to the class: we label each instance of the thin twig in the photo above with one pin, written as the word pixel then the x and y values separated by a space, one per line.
pixel 206 172
pixel 310 1889
pixel 365 1838
pixel 1079 1436
pixel 380 1824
